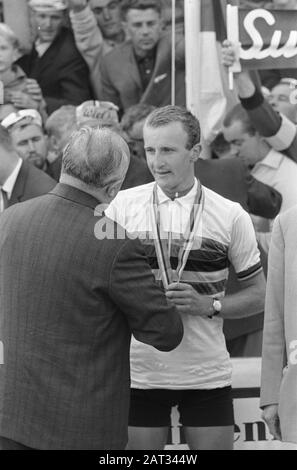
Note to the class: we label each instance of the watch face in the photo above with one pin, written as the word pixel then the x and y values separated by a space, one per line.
pixel 217 306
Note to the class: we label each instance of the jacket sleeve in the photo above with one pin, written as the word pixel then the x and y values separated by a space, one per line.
pixel 134 290
pixel 263 200
pixel 107 91
pixel 279 131
pixel 273 355
pixel 90 43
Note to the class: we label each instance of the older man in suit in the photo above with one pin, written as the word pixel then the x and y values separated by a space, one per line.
pixel 73 287
pixel 19 180
pixel 139 70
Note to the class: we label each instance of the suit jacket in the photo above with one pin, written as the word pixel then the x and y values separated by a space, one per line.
pixel 230 178
pixel 31 182
pixel 61 72
pixel 120 78
pixel 68 305
pixel 279 371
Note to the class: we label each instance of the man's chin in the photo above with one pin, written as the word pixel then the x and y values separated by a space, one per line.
pixel 37 162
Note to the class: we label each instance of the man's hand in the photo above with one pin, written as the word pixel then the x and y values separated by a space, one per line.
pixel 76 5
pixel 228 53
pixel 34 90
pixel 187 300
pixel 271 418
pixel 21 100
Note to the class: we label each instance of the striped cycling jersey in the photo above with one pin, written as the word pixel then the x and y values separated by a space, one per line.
pixel 226 237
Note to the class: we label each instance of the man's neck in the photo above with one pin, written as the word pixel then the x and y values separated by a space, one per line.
pixel 176 193
pixel 78 184
pixel 117 38
pixel 140 54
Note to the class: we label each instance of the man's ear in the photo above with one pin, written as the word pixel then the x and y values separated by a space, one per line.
pixel 113 188
pixel 52 143
pixel 195 152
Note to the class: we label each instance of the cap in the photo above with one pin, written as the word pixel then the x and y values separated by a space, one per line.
pixel 24 116
pixel 96 113
pixel 47 5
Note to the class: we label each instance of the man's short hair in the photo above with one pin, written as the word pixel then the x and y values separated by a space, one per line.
pixel 93 155
pixel 169 114
pixel 5 139
pixel 238 113
pixel 134 114
pixel 127 5
pixel 61 120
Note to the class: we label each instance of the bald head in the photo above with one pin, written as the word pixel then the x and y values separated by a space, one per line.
pixel 97 157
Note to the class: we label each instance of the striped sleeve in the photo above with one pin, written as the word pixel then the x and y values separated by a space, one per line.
pixel 243 250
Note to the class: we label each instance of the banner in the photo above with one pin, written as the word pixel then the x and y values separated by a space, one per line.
pixel 267 39
pixel 208 96
pixel 251 433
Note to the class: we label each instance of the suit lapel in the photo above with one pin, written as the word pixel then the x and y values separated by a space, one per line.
pixel 133 70
pixel 161 70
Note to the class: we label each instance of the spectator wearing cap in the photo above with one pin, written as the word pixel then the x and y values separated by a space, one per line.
pixel 19 180
pixel 139 70
pixel 28 138
pixel 54 60
pixel 19 91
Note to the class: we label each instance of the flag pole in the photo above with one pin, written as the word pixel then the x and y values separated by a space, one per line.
pixel 193 54
pixel 173 16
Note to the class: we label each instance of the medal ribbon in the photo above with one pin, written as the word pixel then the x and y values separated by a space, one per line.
pixel 168 274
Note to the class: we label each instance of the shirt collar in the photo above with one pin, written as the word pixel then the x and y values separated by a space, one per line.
pixel 184 200
pixel 10 182
pixel 273 160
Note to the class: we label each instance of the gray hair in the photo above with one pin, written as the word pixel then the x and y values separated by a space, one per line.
pixel 94 155
pixel 61 120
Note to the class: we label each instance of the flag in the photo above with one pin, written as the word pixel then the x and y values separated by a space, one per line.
pixel 213 98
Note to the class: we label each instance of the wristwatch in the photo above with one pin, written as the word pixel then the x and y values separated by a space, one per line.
pixel 217 307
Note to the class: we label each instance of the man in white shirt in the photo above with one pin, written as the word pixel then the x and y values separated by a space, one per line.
pixel 19 180
pixel 191 235
pixel 267 165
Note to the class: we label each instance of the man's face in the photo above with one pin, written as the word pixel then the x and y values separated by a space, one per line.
pixel 30 144
pixel 144 27
pixel 108 16
pixel 242 144
pixel 48 24
pixel 168 159
pixel 283 99
pixel 7 54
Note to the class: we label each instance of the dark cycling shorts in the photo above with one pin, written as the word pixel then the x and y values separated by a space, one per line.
pixel 198 408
